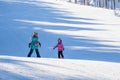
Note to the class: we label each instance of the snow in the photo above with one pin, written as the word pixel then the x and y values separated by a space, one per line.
pixel 90 36
pixel 17 68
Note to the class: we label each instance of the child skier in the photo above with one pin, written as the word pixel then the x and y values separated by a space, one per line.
pixel 60 48
pixel 33 45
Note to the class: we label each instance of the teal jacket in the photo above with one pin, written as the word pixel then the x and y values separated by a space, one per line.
pixel 34 43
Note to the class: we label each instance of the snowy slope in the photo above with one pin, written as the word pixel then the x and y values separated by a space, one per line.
pixel 90 36
pixel 20 68
pixel 87 32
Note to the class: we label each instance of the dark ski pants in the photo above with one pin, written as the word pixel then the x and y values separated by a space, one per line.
pixel 60 54
pixel 31 51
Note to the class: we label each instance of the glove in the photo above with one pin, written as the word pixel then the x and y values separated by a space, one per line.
pixel 39 44
pixel 29 45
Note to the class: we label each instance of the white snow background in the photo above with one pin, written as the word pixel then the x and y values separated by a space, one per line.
pixel 91 37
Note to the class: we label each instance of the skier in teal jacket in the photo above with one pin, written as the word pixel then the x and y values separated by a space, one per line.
pixel 34 45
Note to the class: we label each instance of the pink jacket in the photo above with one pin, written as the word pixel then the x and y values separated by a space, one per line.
pixel 59 46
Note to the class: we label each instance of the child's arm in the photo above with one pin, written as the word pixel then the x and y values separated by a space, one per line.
pixel 55 46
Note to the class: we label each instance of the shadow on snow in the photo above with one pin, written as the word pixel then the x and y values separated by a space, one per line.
pixel 18 20
pixel 28 65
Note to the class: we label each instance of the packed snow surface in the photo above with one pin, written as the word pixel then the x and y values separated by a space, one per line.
pixel 90 36
pixel 19 68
